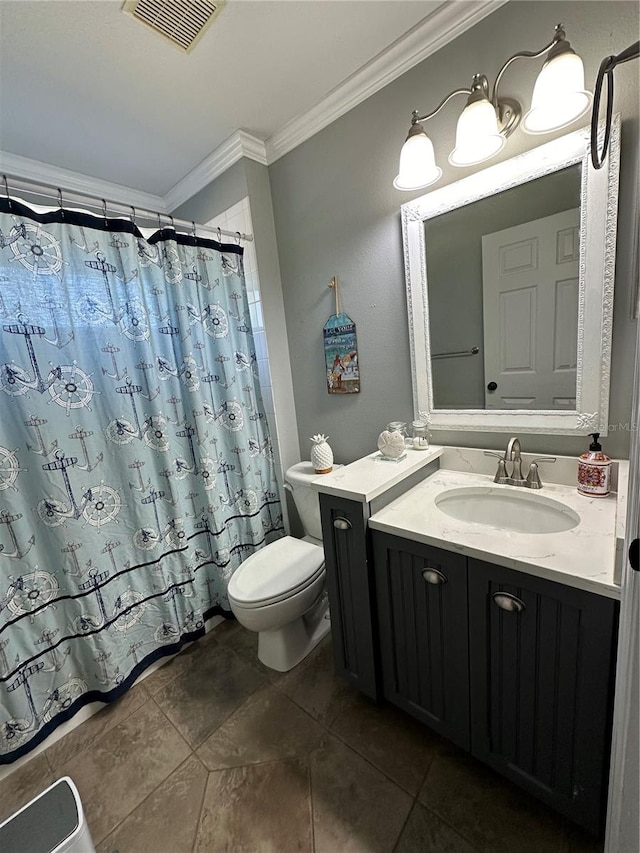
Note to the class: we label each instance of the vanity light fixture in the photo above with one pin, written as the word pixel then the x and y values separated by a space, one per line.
pixel 487 121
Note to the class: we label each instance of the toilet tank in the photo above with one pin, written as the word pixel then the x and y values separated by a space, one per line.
pixel 300 477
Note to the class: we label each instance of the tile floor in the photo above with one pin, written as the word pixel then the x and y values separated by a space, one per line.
pixel 214 752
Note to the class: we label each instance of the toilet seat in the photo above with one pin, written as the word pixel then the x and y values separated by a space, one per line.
pixel 276 572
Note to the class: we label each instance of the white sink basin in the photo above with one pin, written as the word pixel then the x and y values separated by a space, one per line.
pixel 508 509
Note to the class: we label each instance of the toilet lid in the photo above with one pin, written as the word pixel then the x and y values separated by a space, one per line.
pixel 283 566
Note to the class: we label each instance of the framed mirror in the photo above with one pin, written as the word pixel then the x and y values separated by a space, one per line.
pixel 510 276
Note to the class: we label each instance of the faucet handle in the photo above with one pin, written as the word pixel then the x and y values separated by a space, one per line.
pixel 533 477
pixel 501 473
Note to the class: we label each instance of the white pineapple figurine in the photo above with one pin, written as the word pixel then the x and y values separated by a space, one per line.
pixel 321 454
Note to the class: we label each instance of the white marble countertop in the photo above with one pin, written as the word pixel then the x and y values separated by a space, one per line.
pixel 583 557
pixel 367 478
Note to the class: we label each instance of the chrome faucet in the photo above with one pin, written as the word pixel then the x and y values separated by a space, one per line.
pixel 512 454
pixel 515 478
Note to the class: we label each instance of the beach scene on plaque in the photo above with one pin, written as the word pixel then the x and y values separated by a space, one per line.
pixel 341 355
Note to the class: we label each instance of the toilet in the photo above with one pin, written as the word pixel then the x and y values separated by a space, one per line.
pixel 280 591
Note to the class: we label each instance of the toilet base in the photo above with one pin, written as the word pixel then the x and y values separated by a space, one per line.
pixel 284 648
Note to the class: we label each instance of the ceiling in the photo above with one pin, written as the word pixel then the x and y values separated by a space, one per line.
pixel 86 88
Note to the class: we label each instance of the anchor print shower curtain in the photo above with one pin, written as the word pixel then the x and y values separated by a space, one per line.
pixel 136 468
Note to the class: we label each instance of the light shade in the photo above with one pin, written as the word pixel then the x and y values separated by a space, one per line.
pixel 417 162
pixel 477 134
pixel 559 96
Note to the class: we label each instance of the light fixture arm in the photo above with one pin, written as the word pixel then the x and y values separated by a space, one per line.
pixel 559 36
pixel 416 118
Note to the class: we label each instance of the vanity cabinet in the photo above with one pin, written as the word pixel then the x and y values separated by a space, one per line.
pixel 517 669
pixel 421 597
pixel 350 587
pixel 542 666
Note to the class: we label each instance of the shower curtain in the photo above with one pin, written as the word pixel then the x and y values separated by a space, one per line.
pixel 136 467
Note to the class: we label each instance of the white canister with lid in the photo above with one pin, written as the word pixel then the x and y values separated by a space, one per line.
pixel 420 435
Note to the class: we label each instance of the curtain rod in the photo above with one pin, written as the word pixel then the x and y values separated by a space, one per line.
pixel 130 212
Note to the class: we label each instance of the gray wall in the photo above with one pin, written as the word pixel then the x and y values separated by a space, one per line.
pixel 336 213
pixel 227 189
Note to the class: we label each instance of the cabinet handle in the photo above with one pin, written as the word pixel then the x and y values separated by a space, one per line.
pixel 434 576
pixel 506 601
pixel 342 524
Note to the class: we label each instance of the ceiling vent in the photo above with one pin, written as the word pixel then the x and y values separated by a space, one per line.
pixel 183 22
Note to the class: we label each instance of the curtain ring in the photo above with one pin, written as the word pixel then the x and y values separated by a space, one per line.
pixel 193 229
pixel 219 230
pixel 60 202
pixel 104 211
pixel 6 189
pixel 132 216
pixel 173 227
pixel 159 221
pixel 238 237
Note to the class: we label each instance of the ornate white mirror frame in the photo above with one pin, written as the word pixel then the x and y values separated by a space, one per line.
pixel 598 219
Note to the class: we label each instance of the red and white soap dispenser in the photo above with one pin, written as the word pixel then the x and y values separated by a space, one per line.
pixel 594 470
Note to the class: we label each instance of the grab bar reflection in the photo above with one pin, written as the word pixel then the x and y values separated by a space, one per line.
pixel 457 353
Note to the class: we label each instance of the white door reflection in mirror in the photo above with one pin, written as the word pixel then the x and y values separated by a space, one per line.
pixel 530 313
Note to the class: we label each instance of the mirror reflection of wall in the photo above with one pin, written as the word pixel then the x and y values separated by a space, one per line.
pixel 525 326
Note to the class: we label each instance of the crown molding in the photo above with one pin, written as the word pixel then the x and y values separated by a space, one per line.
pixel 240 144
pixel 438 29
pixel 23 168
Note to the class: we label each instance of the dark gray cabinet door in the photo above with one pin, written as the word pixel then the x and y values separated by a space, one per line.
pixel 350 587
pixel 542 686
pixel 423 625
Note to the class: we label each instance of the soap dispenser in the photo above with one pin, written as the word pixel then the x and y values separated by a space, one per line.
pixel 594 470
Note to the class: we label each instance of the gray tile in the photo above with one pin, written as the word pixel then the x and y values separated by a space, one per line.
pixel 390 739
pixel 356 809
pixel 267 727
pixel 491 813
pixel 262 808
pixel 23 784
pixel 426 833
pixel 245 644
pixel 118 770
pixel 202 697
pixel 173 667
pixel 314 685
pixel 88 731
pixel 166 821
